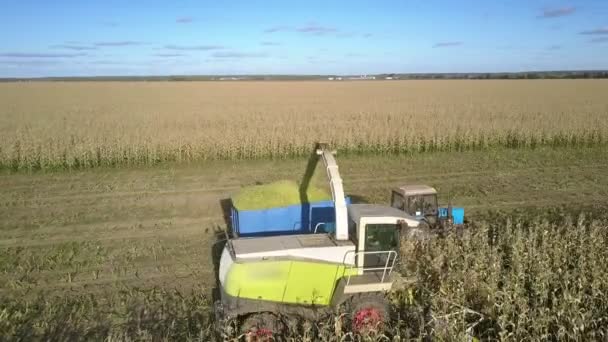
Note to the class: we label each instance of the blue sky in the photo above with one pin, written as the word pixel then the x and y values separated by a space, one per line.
pixel 80 38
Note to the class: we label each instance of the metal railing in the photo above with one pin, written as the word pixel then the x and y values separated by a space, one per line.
pixel 391 258
pixel 317 226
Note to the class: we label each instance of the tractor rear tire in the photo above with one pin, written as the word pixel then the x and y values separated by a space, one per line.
pixel 369 313
pixel 420 233
pixel 261 327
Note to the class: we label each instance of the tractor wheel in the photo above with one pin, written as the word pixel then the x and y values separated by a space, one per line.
pixel 419 233
pixel 369 312
pixel 261 327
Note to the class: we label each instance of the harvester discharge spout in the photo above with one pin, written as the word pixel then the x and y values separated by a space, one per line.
pixel 337 190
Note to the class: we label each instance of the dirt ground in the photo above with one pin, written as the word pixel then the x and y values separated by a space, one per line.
pixel 106 229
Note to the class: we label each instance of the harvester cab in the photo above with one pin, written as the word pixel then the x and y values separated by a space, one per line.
pixel 420 201
pixel 376 231
pixel 309 272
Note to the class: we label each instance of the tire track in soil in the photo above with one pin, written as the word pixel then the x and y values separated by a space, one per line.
pixel 348 179
pixel 445 175
pixel 99 232
pixel 132 280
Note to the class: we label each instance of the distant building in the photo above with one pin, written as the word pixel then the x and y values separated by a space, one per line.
pixel 362 77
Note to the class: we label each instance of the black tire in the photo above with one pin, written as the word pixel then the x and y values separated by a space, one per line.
pixel 420 233
pixel 369 313
pixel 261 327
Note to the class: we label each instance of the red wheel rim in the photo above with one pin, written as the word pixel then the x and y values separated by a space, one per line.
pixel 367 319
pixel 260 334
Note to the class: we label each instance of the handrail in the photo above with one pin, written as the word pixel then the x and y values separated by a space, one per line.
pixel 384 269
pixel 229 244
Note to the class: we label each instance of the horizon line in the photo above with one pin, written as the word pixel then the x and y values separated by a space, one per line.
pixel 304 75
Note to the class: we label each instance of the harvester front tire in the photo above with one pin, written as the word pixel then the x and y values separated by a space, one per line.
pixel 369 313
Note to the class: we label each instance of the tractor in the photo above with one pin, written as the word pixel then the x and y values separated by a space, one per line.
pixel 420 202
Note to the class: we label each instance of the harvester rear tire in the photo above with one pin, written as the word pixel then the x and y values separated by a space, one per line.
pixel 261 327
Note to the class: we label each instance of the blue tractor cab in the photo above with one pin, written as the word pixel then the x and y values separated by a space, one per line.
pixel 420 201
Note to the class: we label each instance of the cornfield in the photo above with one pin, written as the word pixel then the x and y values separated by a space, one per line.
pixel 83 125
pixel 511 278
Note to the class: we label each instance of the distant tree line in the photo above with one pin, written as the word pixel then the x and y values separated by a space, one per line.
pixel 503 76
pixel 391 76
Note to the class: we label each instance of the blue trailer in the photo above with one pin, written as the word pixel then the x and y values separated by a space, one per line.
pixel 304 218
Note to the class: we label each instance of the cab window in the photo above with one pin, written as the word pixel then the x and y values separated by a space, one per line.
pixel 381 237
pixel 430 205
pixel 422 205
pixel 397 201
